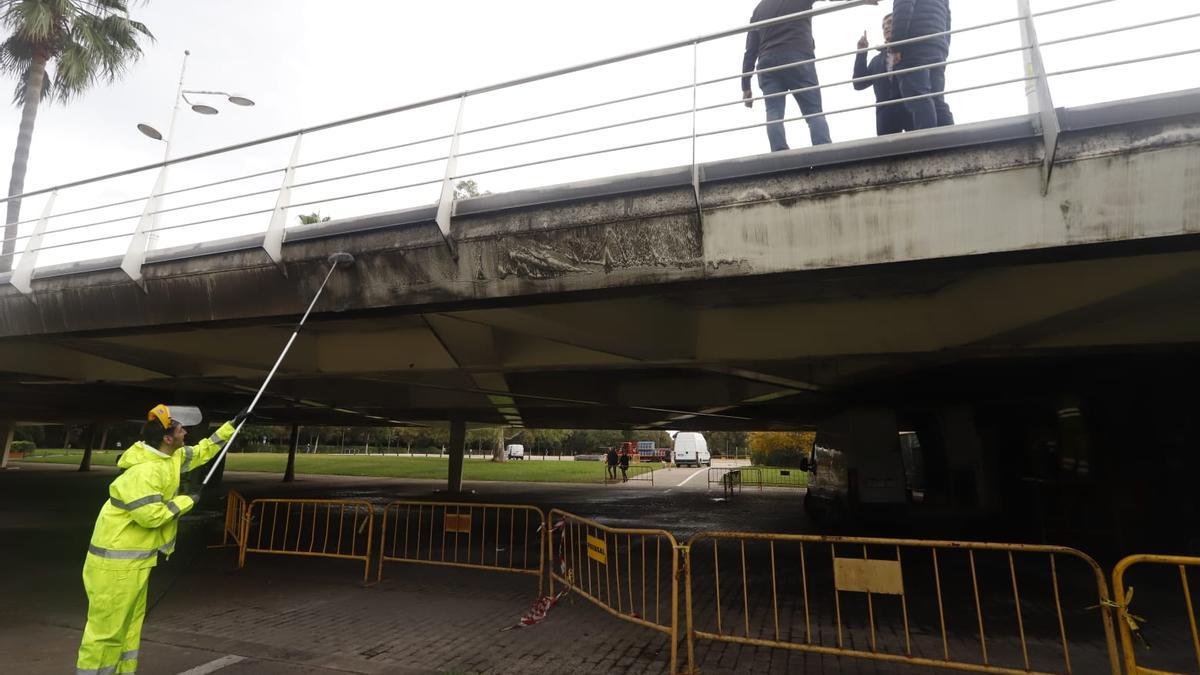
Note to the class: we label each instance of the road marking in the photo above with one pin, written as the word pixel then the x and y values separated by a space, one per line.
pixel 213 666
pixel 697 473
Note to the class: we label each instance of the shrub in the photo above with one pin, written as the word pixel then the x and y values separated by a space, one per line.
pixel 23 446
pixel 784 457
pixel 780 448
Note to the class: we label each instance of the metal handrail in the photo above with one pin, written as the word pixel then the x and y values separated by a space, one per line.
pixel 641 120
pixel 147 226
pixel 551 74
pixel 447 98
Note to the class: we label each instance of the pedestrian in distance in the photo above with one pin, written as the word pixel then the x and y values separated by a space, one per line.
pixel 611 458
pixel 889 119
pixel 915 19
pixel 138 523
pixel 624 466
pixel 788 50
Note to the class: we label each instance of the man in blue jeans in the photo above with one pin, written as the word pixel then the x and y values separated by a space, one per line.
pixel 914 19
pixel 779 45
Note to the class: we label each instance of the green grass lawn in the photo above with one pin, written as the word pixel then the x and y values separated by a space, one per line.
pixel 392 467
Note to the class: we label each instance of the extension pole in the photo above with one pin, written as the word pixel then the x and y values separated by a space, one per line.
pixel 336 260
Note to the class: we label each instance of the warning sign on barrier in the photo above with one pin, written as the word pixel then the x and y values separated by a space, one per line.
pixel 597 549
pixel 868 576
pixel 458 522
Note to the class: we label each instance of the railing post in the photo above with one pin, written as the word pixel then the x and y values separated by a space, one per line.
pixel 1037 92
pixel 273 240
pixel 136 254
pixel 695 166
pixel 446 203
pixel 22 276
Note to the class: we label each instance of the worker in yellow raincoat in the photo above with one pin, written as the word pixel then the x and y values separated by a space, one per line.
pixel 135 525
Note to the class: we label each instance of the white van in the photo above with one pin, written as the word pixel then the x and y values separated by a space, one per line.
pixel 691 449
pixel 515 451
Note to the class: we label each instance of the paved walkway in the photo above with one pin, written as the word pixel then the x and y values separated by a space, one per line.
pixel 313 616
pixel 301 616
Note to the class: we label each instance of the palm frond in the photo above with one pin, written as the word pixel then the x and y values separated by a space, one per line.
pixel 35 20
pixel 75 70
pixel 87 41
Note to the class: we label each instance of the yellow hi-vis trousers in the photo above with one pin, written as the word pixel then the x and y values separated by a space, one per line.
pixel 116 608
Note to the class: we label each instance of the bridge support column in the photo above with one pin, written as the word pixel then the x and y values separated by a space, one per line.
pixel 972 467
pixel 458 446
pixel 7 429
pixel 89 444
pixel 289 474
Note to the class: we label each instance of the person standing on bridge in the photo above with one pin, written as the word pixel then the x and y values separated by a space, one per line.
pixel 790 42
pixel 914 19
pixel 889 119
pixel 135 525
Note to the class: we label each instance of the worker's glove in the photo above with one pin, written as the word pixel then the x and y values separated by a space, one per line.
pixel 240 417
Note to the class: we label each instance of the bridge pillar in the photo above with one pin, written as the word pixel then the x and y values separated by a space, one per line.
pixel 972 468
pixel 89 444
pixel 289 474
pixel 458 445
pixel 7 429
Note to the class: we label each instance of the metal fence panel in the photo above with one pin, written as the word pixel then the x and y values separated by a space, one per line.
pixel 635 473
pixel 235 515
pixel 630 573
pixel 322 528
pixel 502 537
pixel 1166 610
pixel 994 608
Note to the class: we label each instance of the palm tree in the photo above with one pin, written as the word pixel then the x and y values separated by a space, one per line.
pixel 58 49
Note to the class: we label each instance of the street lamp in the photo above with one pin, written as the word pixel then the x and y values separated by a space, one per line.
pixel 181 96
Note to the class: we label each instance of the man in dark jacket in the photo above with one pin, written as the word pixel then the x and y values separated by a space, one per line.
pixel 913 19
pixel 889 119
pixel 610 459
pixel 778 45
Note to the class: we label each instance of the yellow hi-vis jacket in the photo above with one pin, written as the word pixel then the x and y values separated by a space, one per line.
pixel 139 519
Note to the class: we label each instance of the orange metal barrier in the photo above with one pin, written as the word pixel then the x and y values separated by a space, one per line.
pixel 630 573
pixel 902 601
pixel 323 528
pixel 636 472
pixel 1130 623
pixel 731 479
pixel 235 514
pixel 503 537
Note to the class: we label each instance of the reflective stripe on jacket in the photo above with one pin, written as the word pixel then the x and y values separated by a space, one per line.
pixel 139 519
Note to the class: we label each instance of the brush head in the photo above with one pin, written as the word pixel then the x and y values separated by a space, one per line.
pixel 341 259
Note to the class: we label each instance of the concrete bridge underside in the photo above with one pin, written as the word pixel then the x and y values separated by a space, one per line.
pixel 895 272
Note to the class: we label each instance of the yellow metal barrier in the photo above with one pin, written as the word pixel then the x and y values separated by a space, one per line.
pixel 235 514
pixel 636 472
pixel 323 528
pixel 632 574
pixel 503 537
pixel 1130 622
pixel 902 601
pixel 732 479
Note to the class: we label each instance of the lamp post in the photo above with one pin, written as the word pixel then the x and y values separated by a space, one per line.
pixel 181 96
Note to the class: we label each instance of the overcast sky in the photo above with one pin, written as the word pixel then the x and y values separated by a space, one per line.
pixel 307 62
